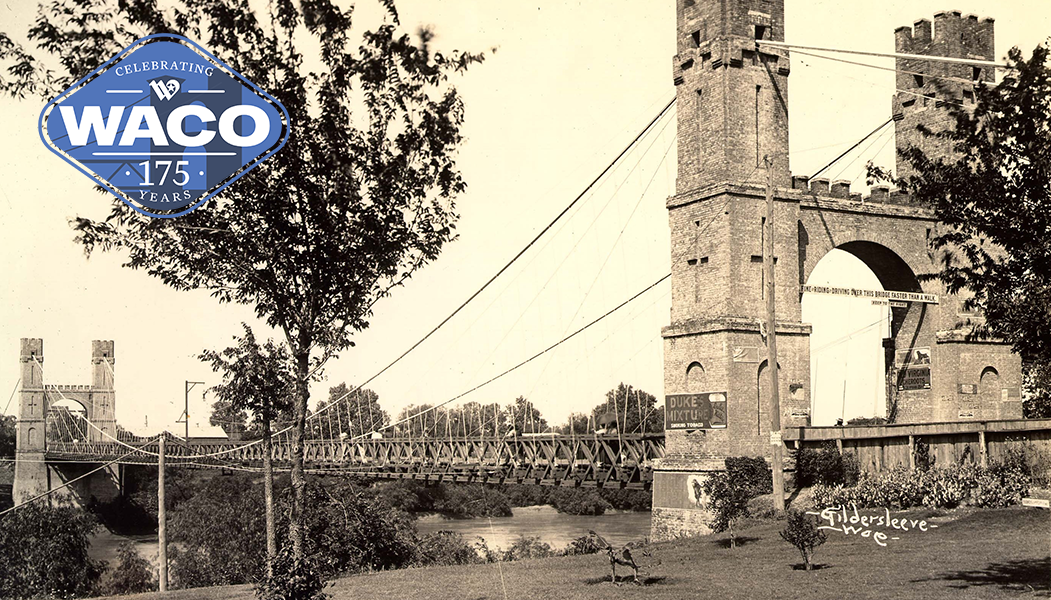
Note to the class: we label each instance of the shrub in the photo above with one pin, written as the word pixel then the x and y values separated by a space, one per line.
pixel 44 552
pixel 924 459
pixel 579 502
pixel 802 532
pixel 751 474
pixel 825 466
pixel 936 488
pixel 625 499
pixel 583 545
pixel 487 554
pixel 292 581
pixel 469 501
pixel 1001 485
pixel 727 503
pixel 132 575
pixel 528 547
pixel 445 548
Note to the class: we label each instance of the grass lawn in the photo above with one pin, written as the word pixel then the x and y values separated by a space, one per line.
pixel 1000 553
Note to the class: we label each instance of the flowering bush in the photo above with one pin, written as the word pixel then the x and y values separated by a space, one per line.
pixel 937 488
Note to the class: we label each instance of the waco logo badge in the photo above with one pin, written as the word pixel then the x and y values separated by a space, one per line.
pixel 164 125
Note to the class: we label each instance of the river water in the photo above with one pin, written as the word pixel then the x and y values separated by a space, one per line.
pixel 552 527
pixel 558 530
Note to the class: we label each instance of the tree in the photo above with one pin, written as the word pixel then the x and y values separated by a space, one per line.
pixel 576 423
pixel 1036 390
pixel 634 409
pixel 360 197
pixel 7 436
pixel 802 533
pixel 526 417
pixel 132 575
pixel 258 379
pixel 354 412
pixel 46 552
pixel 993 196
pixel 727 503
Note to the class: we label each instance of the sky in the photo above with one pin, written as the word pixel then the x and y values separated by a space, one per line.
pixel 570 84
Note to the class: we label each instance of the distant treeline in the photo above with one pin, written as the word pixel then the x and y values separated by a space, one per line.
pixel 464 501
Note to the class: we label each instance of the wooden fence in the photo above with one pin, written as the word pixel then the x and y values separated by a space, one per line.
pixel 883 447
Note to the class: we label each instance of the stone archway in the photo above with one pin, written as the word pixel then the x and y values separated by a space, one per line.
pixel 854 368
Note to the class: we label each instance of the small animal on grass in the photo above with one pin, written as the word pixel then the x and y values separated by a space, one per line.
pixel 625 558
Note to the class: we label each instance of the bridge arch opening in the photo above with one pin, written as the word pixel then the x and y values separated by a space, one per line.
pixel 67 421
pixel 851 345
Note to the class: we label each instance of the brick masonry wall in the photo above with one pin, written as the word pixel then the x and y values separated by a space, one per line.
pixel 732 111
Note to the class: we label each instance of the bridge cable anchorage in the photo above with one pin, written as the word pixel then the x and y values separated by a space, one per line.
pixel 532 358
pixel 65 485
pixel 896 55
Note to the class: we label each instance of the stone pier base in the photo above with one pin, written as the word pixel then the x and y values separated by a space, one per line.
pixel 678 498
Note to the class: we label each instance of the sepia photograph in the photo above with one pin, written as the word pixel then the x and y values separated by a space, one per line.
pixel 341 299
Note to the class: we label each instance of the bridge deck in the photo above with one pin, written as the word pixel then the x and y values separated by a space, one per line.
pixel 584 461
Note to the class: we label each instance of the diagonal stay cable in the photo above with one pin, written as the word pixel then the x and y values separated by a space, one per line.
pixel 527 246
pixel 65 485
pixel 531 358
pixel 851 149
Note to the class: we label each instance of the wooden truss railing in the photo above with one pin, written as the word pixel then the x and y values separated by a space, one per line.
pixel 586 461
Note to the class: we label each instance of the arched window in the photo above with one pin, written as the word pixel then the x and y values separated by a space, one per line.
pixel 989 388
pixel 695 378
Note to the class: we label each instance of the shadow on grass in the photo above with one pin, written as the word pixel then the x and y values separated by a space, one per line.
pixel 1021 575
pixel 813 567
pixel 740 541
pixel 626 580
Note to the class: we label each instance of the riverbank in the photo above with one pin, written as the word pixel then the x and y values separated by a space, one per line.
pixel 552 527
pixel 971 554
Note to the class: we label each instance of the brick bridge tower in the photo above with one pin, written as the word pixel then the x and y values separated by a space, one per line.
pixel 732 98
pixel 38 423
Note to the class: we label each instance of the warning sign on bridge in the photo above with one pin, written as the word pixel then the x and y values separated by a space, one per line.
pixel 878 294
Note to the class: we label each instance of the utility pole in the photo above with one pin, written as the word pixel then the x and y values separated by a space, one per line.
pixel 186 406
pixel 162 517
pixel 771 344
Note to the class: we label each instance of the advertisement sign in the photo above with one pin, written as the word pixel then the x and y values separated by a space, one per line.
pixel 688 412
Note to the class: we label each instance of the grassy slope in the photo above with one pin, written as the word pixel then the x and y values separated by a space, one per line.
pixel 985 554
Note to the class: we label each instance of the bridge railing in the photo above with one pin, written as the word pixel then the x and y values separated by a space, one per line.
pixel 586 460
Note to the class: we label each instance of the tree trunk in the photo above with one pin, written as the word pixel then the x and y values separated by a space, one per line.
pixel 268 490
pixel 295 530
